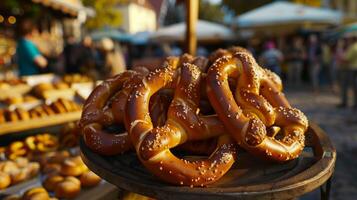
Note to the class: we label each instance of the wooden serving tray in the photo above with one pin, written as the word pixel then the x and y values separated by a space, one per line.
pixel 11 127
pixel 249 178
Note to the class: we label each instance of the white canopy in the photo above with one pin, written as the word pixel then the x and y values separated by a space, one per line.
pixel 278 13
pixel 205 31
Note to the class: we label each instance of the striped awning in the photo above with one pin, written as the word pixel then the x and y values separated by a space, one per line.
pixel 71 7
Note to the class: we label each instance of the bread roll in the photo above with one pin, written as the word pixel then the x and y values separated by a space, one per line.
pixel 5 180
pixel 61 85
pixel 51 182
pixel 48 109
pixel 11 116
pixel 58 107
pixel 70 167
pixel 89 179
pixel 69 188
pixel 2 117
pixel 19 175
pixel 22 114
pixel 37 193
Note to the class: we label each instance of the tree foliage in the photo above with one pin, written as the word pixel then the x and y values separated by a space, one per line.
pixel 107 14
pixel 210 12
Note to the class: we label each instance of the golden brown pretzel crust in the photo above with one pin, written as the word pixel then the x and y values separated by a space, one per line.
pixel 258 105
pixel 162 111
pixel 97 114
pixel 183 123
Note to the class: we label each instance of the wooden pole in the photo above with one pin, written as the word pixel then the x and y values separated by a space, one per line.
pixel 191 21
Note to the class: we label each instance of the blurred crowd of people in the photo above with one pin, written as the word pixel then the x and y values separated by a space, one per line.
pixel 98 60
pixel 315 61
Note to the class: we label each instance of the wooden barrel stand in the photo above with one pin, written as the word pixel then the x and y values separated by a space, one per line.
pixel 249 178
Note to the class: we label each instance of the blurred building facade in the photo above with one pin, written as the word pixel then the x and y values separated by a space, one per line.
pixel 138 16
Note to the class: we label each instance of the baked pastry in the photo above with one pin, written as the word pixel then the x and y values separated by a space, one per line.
pixel 16 149
pixel 48 110
pixel 29 98
pixel 42 142
pixel 8 166
pixel 73 166
pixel 34 114
pixel 21 162
pixel 2 117
pixel 5 180
pixel 89 179
pixel 4 85
pixel 22 114
pixel 37 193
pixel 68 188
pixel 51 182
pixel 61 85
pixel 30 142
pixel 13 100
pixel 51 168
pixel 19 175
pixel 42 87
pixel 66 104
pixel 243 106
pixel 58 107
pixel 58 156
pixel 33 168
pixel 11 116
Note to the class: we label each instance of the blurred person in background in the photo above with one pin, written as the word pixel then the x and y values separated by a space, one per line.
pixel 29 58
pixel 86 58
pixel 314 59
pixel 338 61
pixel 295 57
pixel 71 55
pixel 349 77
pixel 110 60
pixel 326 58
pixel 79 57
pixel 272 57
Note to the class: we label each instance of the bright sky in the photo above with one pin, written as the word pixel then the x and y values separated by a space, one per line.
pixel 215 1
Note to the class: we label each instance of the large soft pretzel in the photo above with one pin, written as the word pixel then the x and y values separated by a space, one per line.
pixel 258 109
pixel 98 113
pixel 183 124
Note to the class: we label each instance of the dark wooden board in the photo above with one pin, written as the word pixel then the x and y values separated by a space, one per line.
pixel 249 178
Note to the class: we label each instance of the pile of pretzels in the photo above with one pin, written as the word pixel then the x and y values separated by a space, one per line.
pixel 187 103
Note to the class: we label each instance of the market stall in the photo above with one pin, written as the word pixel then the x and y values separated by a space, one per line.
pixel 169 156
pixel 39 138
pixel 206 32
pixel 54 21
pixel 285 17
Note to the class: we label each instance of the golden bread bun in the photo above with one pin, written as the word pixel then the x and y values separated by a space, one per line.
pixel 69 188
pixel 51 182
pixel 89 179
pixel 72 167
pixel 37 193
pixel 5 180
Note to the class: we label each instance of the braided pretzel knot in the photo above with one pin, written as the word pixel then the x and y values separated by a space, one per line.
pixel 183 124
pixel 258 110
pixel 105 106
